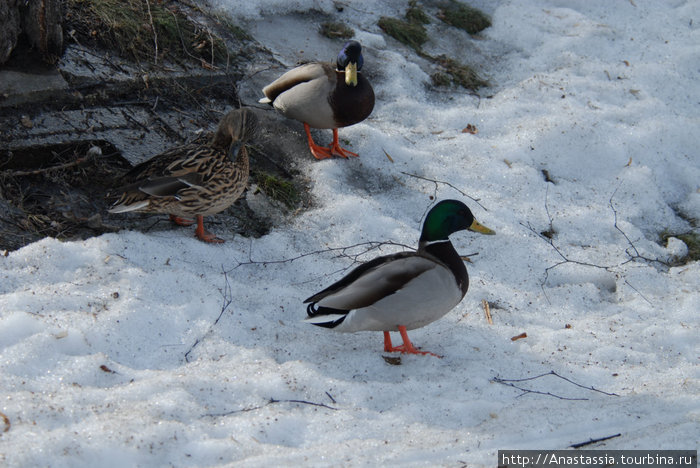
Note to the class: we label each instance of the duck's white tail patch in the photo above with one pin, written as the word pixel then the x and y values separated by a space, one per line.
pixel 125 208
pixel 319 319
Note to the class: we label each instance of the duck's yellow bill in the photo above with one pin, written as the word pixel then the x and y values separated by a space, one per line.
pixel 351 74
pixel 480 228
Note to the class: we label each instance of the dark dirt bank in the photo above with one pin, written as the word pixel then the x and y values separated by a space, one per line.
pixel 126 84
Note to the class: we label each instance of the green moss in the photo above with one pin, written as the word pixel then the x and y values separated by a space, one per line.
pixel 415 14
pixel 411 34
pixel 440 79
pixel 276 188
pixel 333 30
pixel 460 74
pixel 464 17
pixel 691 240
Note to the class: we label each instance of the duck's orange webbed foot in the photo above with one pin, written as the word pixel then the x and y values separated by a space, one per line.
pixel 181 221
pixel 336 149
pixel 405 348
pixel 206 236
pixel 319 152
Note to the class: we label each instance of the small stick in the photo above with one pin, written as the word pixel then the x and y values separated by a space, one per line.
pixel 271 401
pixel 487 311
pixel 519 337
pixel 436 182
pixel 303 402
pixel 46 169
pixel 387 155
pixel 155 34
pixel 593 441
pixel 509 382
pixel 6 420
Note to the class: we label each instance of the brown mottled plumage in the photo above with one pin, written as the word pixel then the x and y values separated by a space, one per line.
pixel 192 180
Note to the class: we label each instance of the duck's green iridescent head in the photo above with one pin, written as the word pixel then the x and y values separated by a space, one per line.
pixel 450 216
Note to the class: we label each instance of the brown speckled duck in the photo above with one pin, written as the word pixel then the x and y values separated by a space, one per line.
pixel 194 180
pixel 323 95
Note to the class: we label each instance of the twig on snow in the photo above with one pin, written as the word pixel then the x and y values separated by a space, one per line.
pixel 512 383
pixel 635 255
pixel 487 311
pixel 6 421
pixel 548 237
pixel 593 441
pixel 342 252
pixel 437 182
pixel 271 401
pixel 227 300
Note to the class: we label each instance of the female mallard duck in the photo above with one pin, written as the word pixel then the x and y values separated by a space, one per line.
pixel 192 180
pixel 324 96
pixel 403 291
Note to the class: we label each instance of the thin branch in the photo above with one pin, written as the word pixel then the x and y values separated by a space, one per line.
pixel 593 441
pixel 526 391
pixel 638 292
pixel 155 34
pixel 130 118
pixel 43 170
pixel 271 401
pixel 581 386
pixel 637 255
pixel 631 251
pixel 179 33
pixel 512 383
pixel 565 259
pixel 343 252
pixel 227 300
pixel 437 182
pixel 304 402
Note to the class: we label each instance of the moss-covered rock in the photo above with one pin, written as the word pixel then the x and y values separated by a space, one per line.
pixel 336 30
pixel 411 34
pixel 464 17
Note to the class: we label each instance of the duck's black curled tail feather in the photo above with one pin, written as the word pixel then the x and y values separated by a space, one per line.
pixel 317 315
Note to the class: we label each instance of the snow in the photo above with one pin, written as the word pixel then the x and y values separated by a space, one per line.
pixel 121 350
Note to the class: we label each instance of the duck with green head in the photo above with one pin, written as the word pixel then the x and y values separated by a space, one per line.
pixel 324 95
pixel 405 290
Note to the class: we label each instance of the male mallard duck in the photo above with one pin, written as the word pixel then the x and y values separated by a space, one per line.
pixel 403 291
pixel 192 180
pixel 324 96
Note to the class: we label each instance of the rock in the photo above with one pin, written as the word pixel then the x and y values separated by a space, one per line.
pixel 17 87
pixel 9 18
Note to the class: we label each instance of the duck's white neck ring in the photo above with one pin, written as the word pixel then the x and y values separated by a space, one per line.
pixel 427 243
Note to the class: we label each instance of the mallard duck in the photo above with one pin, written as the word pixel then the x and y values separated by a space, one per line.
pixel 323 95
pixel 197 179
pixel 405 290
